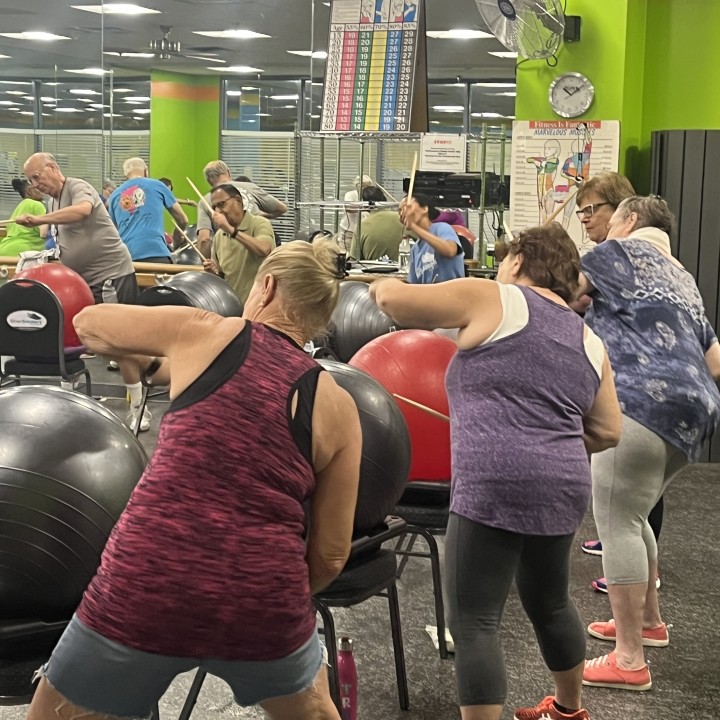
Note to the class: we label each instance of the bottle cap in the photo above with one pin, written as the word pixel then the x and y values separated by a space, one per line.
pixel 346 644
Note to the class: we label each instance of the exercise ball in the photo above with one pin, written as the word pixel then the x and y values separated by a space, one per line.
pixel 69 288
pixel 201 290
pixel 385 445
pixel 187 255
pixel 356 320
pixel 413 363
pixel 67 468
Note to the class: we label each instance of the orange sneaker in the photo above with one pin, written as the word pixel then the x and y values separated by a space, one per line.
pixel 546 710
pixel 652 637
pixel 604 672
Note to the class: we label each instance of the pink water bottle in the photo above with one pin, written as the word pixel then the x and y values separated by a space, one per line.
pixel 347 676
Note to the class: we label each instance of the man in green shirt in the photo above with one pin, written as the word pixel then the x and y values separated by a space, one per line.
pixel 380 232
pixel 242 241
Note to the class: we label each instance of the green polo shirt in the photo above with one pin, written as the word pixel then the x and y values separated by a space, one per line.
pixel 380 234
pixel 236 262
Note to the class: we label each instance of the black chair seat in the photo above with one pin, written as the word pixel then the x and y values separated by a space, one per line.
pixel 39 368
pixel 362 578
pixel 424 516
pixel 425 493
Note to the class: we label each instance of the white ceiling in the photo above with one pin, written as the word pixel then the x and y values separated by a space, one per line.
pixel 292 25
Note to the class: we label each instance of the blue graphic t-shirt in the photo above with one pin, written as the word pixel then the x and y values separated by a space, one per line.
pixel 426 266
pixel 649 313
pixel 136 208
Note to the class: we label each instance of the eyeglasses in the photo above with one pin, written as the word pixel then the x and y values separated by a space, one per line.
pixel 589 210
pixel 219 206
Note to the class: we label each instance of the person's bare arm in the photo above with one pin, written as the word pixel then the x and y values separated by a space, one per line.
pixel 712 359
pixel 178 214
pixel 260 245
pixel 337 448
pixel 64 216
pixel 44 229
pixel 585 287
pixel 601 426
pixel 446 248
pixel 471 304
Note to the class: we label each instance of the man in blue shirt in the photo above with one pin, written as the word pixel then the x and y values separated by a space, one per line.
pixel 437 254
pixel 136 208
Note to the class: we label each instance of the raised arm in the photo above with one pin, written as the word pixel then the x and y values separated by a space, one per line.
pixel 337 447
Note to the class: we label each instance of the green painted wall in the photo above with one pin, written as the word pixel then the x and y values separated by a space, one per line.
pixel 682 80
pixel 184 129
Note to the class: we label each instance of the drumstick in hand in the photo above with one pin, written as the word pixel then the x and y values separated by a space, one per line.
pixel 424 408
pixel 201 196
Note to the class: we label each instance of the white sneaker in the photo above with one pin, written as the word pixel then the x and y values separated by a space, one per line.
pixel 132 419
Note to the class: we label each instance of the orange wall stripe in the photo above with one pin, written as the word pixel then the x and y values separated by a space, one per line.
pixel 178 91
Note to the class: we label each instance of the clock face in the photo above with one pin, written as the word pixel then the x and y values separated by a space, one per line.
pixel 571 94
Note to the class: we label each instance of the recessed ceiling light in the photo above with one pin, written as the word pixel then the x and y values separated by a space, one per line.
pixel 90 71
pixel 129 54
pixel 84 99
pixel 5 56
pixel 234 93
pixel 458 34
pixel 67 110
pixel 501 94
pixel 136 98
pixel 314 116
pixel 8 102
pixel 123 90
pixel 143 111
pixel 247 87
pixel 83 91
pixel 35 35
pixel 138 117
pixel 231 34
pixel 135 102
pixel 488 115
pixel 289 106
pixel 111 115
pixel 237 69
pixel 263 114
pixel 15 92
pixel 98 106
pixel 503 54
pixel 116 9
pixel 448 108
pixel 48 99
pixel 28 112
pixel 14 82
pixel 284 97
pixel 496 84
pixel 434 122
pixel 315 54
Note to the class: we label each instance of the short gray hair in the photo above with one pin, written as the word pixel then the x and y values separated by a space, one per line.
pixel 215 169
pixel 651 211
pixel 134 164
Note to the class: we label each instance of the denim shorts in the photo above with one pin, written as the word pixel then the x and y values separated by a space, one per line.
pixel 106 677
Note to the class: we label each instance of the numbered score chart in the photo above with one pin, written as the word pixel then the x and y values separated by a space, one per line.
pixel 370 67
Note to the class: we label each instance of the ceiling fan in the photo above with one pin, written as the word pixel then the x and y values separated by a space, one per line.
pixel 166 49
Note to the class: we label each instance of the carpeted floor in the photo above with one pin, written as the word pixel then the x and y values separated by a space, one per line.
pixel 686 674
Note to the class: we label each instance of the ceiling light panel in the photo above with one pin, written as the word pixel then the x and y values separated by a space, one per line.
pixel 237 69
pixel 231 34
pixel 117 9
pixel 458 34
pixel 35 35
pixel 316 55
pixel 504 54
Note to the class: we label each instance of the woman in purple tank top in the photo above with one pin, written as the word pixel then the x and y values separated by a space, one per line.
pixel 531 395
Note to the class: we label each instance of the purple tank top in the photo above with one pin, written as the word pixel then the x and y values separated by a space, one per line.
pixel 517 407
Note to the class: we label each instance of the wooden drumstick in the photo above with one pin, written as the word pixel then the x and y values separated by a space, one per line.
pixel 201 196
pixel 424 408
pixel 185 235
pixel 561 207
pixel 411 185
pixel 5 223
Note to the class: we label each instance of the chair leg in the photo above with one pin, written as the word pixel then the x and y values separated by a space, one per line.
pixel 88 384
pixel 398 647
pixel 155 714
pixel 143 405
pixel 192 697
pixel 331 645
pixel 404 552
pixel 437 588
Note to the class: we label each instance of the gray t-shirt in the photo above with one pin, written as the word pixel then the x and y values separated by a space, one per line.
pixel 91 247
pixel 261 201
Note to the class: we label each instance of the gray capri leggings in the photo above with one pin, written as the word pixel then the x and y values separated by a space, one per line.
pixel 480 564
pixel 628 480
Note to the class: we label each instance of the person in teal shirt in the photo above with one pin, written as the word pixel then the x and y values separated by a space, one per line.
pixel 19 238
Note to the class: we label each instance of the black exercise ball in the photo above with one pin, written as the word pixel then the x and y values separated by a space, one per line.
pixel 67 468
pixel 201 290
pixel 356 320
pixel 187 255
pixel 385 461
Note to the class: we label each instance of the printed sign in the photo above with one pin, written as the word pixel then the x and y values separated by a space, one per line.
pixel 441 152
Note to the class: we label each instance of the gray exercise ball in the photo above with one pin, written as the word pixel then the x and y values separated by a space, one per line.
pixel 67 468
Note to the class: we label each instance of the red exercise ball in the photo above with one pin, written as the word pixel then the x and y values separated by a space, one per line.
pixel 412 363
pixel 69 288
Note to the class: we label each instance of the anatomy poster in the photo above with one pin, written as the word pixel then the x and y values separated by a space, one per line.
pixel 550 160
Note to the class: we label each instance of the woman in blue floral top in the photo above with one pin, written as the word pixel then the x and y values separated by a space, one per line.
pixel 665 355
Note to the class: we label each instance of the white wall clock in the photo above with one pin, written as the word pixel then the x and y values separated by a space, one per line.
pixel 571 94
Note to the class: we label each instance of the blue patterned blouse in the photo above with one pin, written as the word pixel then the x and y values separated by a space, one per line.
pixel 648 311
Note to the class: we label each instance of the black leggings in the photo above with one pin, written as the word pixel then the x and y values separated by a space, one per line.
pixel 655 518
pixel 480 563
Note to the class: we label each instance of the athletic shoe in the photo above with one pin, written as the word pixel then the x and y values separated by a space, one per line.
pixel 112 366
pixel 132 420
pixel 652 637
pixel 592 547
pixel 601 584
pixel 604 672
pixel 546 710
